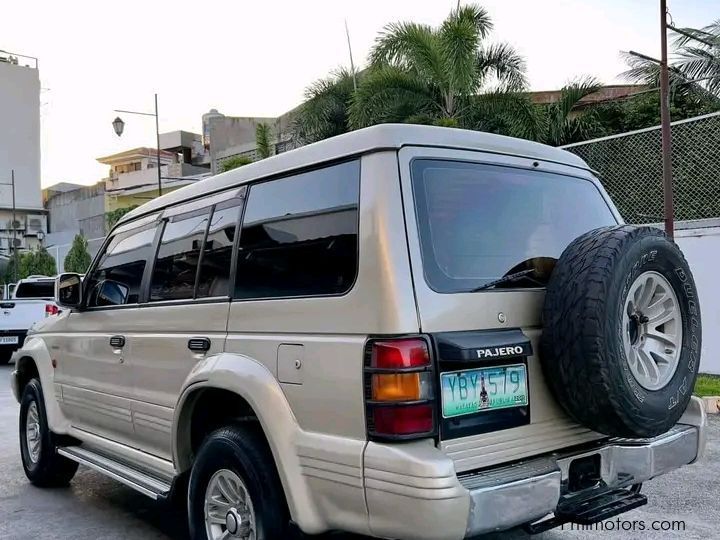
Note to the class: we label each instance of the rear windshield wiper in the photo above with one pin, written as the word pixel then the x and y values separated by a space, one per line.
pixel 505 279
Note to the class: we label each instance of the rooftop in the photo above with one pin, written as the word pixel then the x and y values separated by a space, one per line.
pixel 376 138
pixel 134 154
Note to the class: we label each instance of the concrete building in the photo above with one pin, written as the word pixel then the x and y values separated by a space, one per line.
pixel 133 180
pixel 225 137
pixel 20 151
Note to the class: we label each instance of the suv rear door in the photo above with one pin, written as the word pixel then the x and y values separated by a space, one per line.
pixel 473 218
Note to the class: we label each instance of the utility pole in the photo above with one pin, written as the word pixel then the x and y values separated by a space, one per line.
pixel 157 138
pixel 14 224
pixel 665 124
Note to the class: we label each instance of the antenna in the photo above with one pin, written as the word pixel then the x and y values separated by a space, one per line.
pixel 352 63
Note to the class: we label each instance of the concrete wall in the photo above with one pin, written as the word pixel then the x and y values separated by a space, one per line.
pixel 78 211
pixel 701 246
pixel 20 135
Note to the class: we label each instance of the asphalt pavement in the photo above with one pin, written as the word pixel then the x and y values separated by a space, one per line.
pixel 96 507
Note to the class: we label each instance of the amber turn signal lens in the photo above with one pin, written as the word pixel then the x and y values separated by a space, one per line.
pixel 396 387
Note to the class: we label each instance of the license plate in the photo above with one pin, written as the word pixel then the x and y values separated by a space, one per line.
pixel 485 389
pixel 8 340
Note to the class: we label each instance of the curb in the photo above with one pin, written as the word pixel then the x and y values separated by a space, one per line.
pixel 712 404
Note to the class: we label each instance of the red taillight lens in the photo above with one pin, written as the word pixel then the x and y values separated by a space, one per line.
pixel 408 420
pixel 400 389
pixel 51 309
pixel 400 354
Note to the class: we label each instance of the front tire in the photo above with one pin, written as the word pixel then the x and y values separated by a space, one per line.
pixel 42 465
pixel 235 490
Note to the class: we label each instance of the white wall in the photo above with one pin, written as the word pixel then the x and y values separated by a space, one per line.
pixel 20 135
pixel 701 247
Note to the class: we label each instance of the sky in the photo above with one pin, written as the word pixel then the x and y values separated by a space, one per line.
pixel 251 58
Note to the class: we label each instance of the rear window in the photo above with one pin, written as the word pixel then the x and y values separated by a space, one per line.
pixel 479 223
pixel 37 289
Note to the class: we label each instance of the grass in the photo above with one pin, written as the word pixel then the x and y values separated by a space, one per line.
pixel 707 385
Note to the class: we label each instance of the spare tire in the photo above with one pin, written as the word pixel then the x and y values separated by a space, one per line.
pixel 620 348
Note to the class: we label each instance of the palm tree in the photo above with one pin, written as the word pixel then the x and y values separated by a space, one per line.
pixel 326 108
pixel 434 75
pixel 695 68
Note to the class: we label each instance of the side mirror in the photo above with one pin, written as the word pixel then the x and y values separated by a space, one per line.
pixel 68 290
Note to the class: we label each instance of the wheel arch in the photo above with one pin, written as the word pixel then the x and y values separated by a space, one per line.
pixel 247 387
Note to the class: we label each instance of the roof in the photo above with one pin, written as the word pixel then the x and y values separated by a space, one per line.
pixel 134 153
pixel 376 138
pixel 609 92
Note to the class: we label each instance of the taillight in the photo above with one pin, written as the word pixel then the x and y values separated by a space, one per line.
pixel 51 309
pixel 399 389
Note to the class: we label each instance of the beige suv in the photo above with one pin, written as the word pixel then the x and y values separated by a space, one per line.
pixel 404 332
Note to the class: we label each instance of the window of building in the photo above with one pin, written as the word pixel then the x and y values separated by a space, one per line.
pixel 177 259
pixel 300 235
pixel 217 255
pixel 117 278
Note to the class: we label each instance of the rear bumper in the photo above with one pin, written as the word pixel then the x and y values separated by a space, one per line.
pixel 442 506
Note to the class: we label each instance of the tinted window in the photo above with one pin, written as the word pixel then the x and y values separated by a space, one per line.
pixel 177 259
pixel 37 289
pixel 215 266
pixel 118 276
pixel 299 235
pixel 481 222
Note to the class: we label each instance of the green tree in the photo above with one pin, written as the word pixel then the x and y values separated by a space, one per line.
pixel 435 75
pixel 234 162
pixel 695 65
pixel 37 262
pixel 114 216
pixel 263 140
pixel 325 112
pixel 78 258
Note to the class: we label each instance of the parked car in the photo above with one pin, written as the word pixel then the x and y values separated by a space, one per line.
pixel 405 332
pixel 31 300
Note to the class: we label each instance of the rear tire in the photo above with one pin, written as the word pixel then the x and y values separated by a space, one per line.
pixel 38 445
pixel 234 481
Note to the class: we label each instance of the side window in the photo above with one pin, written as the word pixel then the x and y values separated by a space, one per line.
pixel 118 276
pixel 217 255
pixel 300 235
pixel 177 259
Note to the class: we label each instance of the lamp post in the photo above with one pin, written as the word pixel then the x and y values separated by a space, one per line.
pixel 14 239
pixel 119 126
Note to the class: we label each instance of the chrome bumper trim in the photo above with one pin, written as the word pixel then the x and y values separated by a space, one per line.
pixel 505 497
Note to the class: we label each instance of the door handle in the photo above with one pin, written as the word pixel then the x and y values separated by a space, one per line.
pixel 199 344
pixel 117 342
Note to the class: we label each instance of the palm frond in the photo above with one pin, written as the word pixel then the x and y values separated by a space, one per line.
pixel 390 94
pixel 475 15
pixel 325 110
pixel 502 62
pixel 571 94
pixel 411 47
pixel 459 39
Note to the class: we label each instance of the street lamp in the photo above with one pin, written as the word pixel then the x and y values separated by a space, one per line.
pixel 14 239
pixel 119 126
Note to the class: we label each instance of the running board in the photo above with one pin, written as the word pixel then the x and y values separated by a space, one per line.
pixel 150 486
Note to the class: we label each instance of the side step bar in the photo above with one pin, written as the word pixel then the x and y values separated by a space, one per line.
pixel 151 486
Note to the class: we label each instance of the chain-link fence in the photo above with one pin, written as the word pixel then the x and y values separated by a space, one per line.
pixel 630 167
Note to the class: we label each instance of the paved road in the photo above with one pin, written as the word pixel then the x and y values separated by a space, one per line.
pixel 95 507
